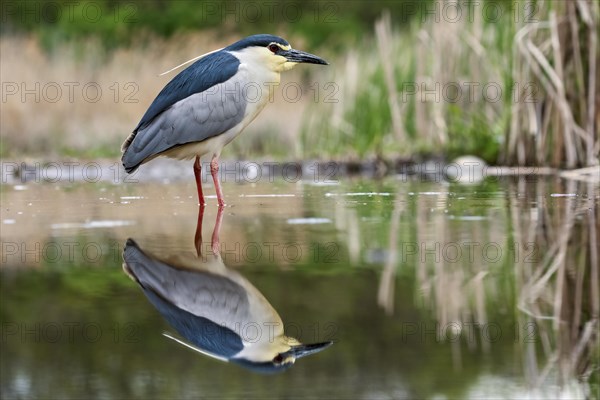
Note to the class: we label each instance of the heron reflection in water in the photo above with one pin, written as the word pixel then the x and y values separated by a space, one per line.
pixel 215 309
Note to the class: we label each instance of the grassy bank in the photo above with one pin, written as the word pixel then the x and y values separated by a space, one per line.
pixel 519 88
pixel 515 86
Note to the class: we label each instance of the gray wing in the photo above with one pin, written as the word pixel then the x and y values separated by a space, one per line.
pixel 200 293
pixel 194 119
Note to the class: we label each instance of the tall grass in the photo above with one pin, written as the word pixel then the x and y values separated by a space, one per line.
pixel 560 54
pixel 518 89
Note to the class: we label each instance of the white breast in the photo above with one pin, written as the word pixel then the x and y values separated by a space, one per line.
pixel 257 83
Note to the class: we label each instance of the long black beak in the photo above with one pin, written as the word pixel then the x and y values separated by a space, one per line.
pixel 304 350
pixel 302 57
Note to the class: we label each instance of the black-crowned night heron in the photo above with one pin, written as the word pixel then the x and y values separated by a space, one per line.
pixel 219 312
pixel 209 103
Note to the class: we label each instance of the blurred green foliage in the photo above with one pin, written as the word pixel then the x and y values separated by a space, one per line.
pixel 118 22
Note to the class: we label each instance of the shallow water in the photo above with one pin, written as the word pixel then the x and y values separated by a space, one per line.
pixel 427 289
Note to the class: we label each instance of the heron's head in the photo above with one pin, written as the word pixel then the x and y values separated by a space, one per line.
pixel 271 51
pixel 278 354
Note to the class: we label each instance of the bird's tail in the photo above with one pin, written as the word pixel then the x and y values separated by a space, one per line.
pixel 129 167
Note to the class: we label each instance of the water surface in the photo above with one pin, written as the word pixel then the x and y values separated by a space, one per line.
pixel 427 289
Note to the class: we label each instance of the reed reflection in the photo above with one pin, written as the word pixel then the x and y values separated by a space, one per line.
pixel 547 271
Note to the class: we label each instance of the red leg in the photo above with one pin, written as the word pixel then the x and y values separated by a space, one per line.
pixel 215 243
pixel 198 174
pixel 198 236
pixel 214 170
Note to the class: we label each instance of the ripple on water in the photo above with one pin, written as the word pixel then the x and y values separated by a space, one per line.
pixel 308 221
pixel 91 224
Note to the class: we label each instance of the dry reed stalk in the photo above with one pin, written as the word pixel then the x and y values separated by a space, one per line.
pixel 570 152
pixel 521 112
pixel 590 331
pixel 421 120
pixel 577 59
pixel 383 31
pixel 556 59
pixel 443 49
pixel 593 113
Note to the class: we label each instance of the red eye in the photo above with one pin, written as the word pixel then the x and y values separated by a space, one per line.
pixel 274 48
